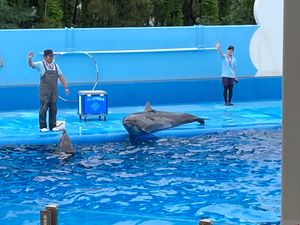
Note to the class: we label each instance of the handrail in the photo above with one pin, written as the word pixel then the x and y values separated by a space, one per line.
pixel 135 51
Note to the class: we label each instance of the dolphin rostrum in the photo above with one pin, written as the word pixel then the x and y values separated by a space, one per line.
pixel 149 121
pixel 65 146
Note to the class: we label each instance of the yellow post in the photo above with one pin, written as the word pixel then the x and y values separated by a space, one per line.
pixel 49 215
pixel 45 217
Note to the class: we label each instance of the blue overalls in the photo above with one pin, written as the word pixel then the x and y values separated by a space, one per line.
pixel 48 97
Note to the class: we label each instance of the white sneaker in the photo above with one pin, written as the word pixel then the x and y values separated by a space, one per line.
pixel 44 129
pixel 56 129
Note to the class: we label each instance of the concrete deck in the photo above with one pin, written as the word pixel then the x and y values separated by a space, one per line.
pixel 21 127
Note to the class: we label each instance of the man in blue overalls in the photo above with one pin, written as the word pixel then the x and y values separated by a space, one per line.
pixel 50 72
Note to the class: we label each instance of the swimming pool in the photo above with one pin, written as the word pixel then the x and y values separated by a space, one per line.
pixel 232 177
pixel 227 170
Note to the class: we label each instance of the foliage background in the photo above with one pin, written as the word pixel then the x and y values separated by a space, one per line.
pixel 123 13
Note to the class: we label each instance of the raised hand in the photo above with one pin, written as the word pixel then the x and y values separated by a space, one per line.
pixel 30 55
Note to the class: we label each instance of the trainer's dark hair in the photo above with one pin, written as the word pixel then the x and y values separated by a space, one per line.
pixel 230 47
pixel 48 52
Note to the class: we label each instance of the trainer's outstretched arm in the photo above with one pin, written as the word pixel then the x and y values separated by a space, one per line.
pixel 219 49
pixel 30 63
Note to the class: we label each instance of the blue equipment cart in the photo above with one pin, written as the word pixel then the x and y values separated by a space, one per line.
pixel 92 103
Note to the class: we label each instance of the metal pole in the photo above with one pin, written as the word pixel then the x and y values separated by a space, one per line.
pixel 49 215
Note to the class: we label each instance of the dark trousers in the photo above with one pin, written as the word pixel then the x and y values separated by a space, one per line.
pixel 48 103
pixel 227 93
pixel 228 88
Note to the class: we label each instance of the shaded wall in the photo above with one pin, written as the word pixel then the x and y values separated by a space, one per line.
pixel 158 92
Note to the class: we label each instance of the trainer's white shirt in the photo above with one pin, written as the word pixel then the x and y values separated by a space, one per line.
pixel 228 66
pixel 40 67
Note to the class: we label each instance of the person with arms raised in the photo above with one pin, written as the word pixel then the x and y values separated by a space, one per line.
pixel 228 73
pixel 49 74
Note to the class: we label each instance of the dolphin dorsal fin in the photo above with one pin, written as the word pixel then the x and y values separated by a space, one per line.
pixel 148 107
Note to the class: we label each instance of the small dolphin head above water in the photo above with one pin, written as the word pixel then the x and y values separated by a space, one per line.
pixel 150 121
pixel 135 124
pixel 65 145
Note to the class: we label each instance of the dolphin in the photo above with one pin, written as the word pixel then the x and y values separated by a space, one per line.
pixel 149 121
pixel 65 146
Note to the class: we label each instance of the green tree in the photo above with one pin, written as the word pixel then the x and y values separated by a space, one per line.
pixel 15 14
pixel 69 9
pixel 100 13
pixel 132 12
pixel 206 12
pixel 241 12
pixel 224 11
pixel 168 12
pixel 4 14
pixel 120 13
pixel 50 13
pixel 190 8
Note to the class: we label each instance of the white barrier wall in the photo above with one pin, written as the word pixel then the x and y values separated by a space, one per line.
pixel 266 43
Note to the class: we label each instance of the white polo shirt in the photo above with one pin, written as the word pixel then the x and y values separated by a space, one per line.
pixel 40 67
pixel 228 66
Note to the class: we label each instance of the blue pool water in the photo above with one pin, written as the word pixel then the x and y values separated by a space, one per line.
pixel 232 177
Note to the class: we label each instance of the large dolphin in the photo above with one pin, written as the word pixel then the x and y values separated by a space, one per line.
pixel 149 121
pixel 65 146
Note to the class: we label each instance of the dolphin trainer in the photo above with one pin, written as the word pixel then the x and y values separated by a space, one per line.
pixel 149 121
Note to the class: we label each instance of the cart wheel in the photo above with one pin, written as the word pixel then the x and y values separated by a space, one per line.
pixel 100 118
pixel 80 117
pixel 104 118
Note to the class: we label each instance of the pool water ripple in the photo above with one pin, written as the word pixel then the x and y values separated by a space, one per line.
pixel 231 177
